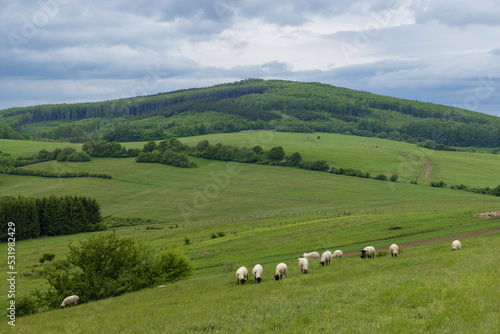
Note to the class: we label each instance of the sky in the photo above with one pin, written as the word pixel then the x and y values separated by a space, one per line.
pixel 66 51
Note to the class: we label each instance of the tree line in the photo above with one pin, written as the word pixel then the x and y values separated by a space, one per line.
pixel 49 216
pixel 48 173
pixel 276 156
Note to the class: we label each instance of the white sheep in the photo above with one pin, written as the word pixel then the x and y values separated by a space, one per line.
pixel 456 245
pixel 281 270
pixel 312 255
pixel 303 265
pixel 326 257
pixel 71 300
pixel 337 254
pixel 242 275
pixel 257 272
pixel 394 250
pixel 368 251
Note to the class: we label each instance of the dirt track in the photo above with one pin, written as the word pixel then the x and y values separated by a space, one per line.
pixel 430 241
pixel 428 166
pixel 428 169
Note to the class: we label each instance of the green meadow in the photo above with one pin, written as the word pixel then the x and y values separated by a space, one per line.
pixel 271 214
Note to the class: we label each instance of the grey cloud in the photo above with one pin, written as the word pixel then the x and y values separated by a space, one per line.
pixel 459 13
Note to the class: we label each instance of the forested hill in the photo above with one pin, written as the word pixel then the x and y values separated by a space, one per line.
pixel 253 104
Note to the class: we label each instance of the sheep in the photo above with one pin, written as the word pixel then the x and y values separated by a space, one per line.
pixel 242 275
pixel 257 272
pixel 281 270
pixel 368 251
pixel 303 264
pixel 337 254
pixel 71 300
pixel 312 255
pixel 326 257
pixel 394 250
pixel 456 245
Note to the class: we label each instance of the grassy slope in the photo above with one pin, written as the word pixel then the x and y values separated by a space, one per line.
pixel 450 291
pixel 155 191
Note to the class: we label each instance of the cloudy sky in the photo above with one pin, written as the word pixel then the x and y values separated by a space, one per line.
pixel 54 51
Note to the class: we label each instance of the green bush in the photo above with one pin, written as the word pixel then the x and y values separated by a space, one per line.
pixel 439 184
pixel 107 266
pixel 26 305
pixel 46 257
pixel 381 177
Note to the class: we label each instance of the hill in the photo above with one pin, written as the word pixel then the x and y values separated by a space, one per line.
pixel 254 104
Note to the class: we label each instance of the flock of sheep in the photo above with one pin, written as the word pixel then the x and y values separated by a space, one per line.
pixel 281 269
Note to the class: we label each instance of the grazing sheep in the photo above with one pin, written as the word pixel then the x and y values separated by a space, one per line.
pixel 456 245
pixel 312 255
pixel 242 275
pixel 257 272
pixel 303 264
pixel 394 250
pixel 281 270
pixel 326 257
pixel 71 300
pixel 368 252
pixel 337 254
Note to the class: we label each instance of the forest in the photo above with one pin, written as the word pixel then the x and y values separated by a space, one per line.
pixel 250 105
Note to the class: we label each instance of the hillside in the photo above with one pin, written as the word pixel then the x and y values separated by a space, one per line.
pixel 253 104
pixel 270 214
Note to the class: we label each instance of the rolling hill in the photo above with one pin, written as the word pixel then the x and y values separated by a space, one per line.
pixel 249 105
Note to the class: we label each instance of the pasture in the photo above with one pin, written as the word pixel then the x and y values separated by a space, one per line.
pixel 425 290
pixel 271 214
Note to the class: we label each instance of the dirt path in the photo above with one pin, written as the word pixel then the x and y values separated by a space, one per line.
pixel 430 241
pixel 428 169
pixel 428 165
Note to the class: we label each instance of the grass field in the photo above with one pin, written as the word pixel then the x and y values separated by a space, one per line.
pixel 456 292
pixel 271 215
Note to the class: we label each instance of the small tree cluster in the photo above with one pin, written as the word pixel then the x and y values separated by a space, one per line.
pixel 50 216
pixel 168 152
pixel 104 148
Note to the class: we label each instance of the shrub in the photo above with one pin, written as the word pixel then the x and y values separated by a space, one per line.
pixel 107 266
pixel 381 177
pixel 26 305
pixel 46 257
pixel 440 184
pixel 394 177
pixel 276 153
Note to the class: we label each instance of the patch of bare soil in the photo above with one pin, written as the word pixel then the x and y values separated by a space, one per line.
pixel 430 241
pixel 493 214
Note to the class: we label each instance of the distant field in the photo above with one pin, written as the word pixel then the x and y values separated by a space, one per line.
pixel 373 155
